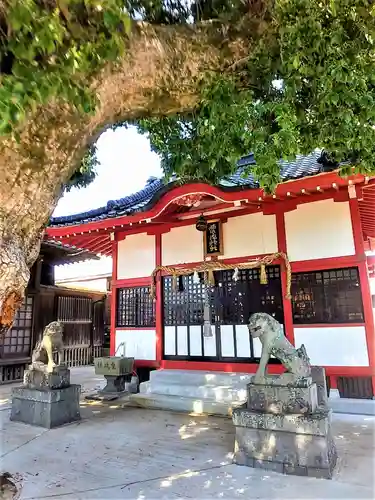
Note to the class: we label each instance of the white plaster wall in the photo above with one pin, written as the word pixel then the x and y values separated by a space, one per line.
pixel 136 256
pixel 195 334
pixel 182 245
pixel 334 346
pixel 139 344
pixel 251 234
pixel 319 230
pixel 97 285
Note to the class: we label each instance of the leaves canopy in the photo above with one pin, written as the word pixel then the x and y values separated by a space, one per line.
pixel 308 82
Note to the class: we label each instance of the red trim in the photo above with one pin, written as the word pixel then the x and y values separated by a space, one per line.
pixel 365 283
pixel 329 325
pixel 356 227
pixel 325 264
pixel 333 382
pixel 300 266
pixel 349 371
pixel 324 180
pixel 144 363
pixel 112 338
pixel 368 314
pixel 158 301
pixel 129 282
pixel 222 367
pixel 233 261
pixel 287 303
pixel 135 328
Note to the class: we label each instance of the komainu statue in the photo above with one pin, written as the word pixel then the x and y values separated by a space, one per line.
pixel 274 343
pixel 52 341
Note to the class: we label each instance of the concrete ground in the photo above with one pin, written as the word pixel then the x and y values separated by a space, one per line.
pixel 118 452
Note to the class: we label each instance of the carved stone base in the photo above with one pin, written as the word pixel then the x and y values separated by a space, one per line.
pixel 282 399
pixel 116 384
pixel 41 379
pixel 46 407
pixel 291 444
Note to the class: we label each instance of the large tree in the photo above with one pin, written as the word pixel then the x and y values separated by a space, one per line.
pixel 209 80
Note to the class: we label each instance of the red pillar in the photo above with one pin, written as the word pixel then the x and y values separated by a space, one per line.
pixel 112 342
pixel 365 285
pixel 287 303
pixel 158 303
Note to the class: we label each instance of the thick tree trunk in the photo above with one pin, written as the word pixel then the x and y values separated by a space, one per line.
pixel 159 74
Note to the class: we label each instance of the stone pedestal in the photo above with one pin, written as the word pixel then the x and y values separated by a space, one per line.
pixel 46 399
pixel 118 372
pixel 282 428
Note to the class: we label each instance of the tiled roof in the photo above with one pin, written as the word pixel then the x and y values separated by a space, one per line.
pixel 303 166
pixel 61 254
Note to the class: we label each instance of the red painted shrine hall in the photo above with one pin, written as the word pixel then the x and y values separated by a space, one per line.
pixel 313 234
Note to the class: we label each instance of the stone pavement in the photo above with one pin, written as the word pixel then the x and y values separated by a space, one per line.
pixel 120 452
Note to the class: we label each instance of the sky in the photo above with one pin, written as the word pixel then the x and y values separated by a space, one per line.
pixel 126 162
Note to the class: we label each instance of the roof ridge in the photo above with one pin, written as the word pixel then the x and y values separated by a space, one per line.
pixel 302 166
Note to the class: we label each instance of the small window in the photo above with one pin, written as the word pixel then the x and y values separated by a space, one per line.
pixel 17 340
pixel 135 307
pixel 332 296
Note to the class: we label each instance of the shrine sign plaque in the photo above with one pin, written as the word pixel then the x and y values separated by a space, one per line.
pixel 213 239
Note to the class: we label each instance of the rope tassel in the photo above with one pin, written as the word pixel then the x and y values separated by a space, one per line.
pixel 174 282
pixel 211 278
pixel 263 275
pixel 207 329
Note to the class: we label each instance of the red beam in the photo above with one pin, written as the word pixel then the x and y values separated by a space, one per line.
pixel 325 180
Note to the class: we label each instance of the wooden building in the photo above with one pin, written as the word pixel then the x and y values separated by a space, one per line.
pixel 82 314
pixel 322 222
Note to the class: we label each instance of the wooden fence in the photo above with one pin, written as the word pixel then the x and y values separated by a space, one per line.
pixel 82 315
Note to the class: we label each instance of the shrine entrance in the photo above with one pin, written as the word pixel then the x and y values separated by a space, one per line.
pixel 232 302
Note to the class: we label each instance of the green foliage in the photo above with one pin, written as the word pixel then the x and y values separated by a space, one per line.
pixel 86 172
pixel 321 53
pixel 309 82
pixel 49 49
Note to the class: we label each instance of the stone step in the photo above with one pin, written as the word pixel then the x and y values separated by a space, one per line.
pixel 220 393
pixel 199 377
pixel 352 406
pixel 182 404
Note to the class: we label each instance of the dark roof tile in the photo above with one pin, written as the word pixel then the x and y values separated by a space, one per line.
pixel 303 166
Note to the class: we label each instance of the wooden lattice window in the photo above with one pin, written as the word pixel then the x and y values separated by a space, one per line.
pixel 74 309
pixel 232 302
pixel 135 307
pixel 183 306
pixel 332 296
pixel 17 341
pixel 235 301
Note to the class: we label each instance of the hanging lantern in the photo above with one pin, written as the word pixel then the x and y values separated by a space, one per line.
pixel 201 224
pixel 235 275
pixel 196 278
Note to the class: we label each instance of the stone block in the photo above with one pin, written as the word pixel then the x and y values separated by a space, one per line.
pixel 46 407
pixel 285 379
pixel 296 450
pixel 116 384
pixel 113 366
pixel 318 375
pixel 317 423
pixel 282 399
pixel 37 379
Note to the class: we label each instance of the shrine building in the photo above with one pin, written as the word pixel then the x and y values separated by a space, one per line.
pixel 192 262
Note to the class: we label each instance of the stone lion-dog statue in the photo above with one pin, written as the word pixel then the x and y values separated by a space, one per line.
pixel 274 343
pixel 52 341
